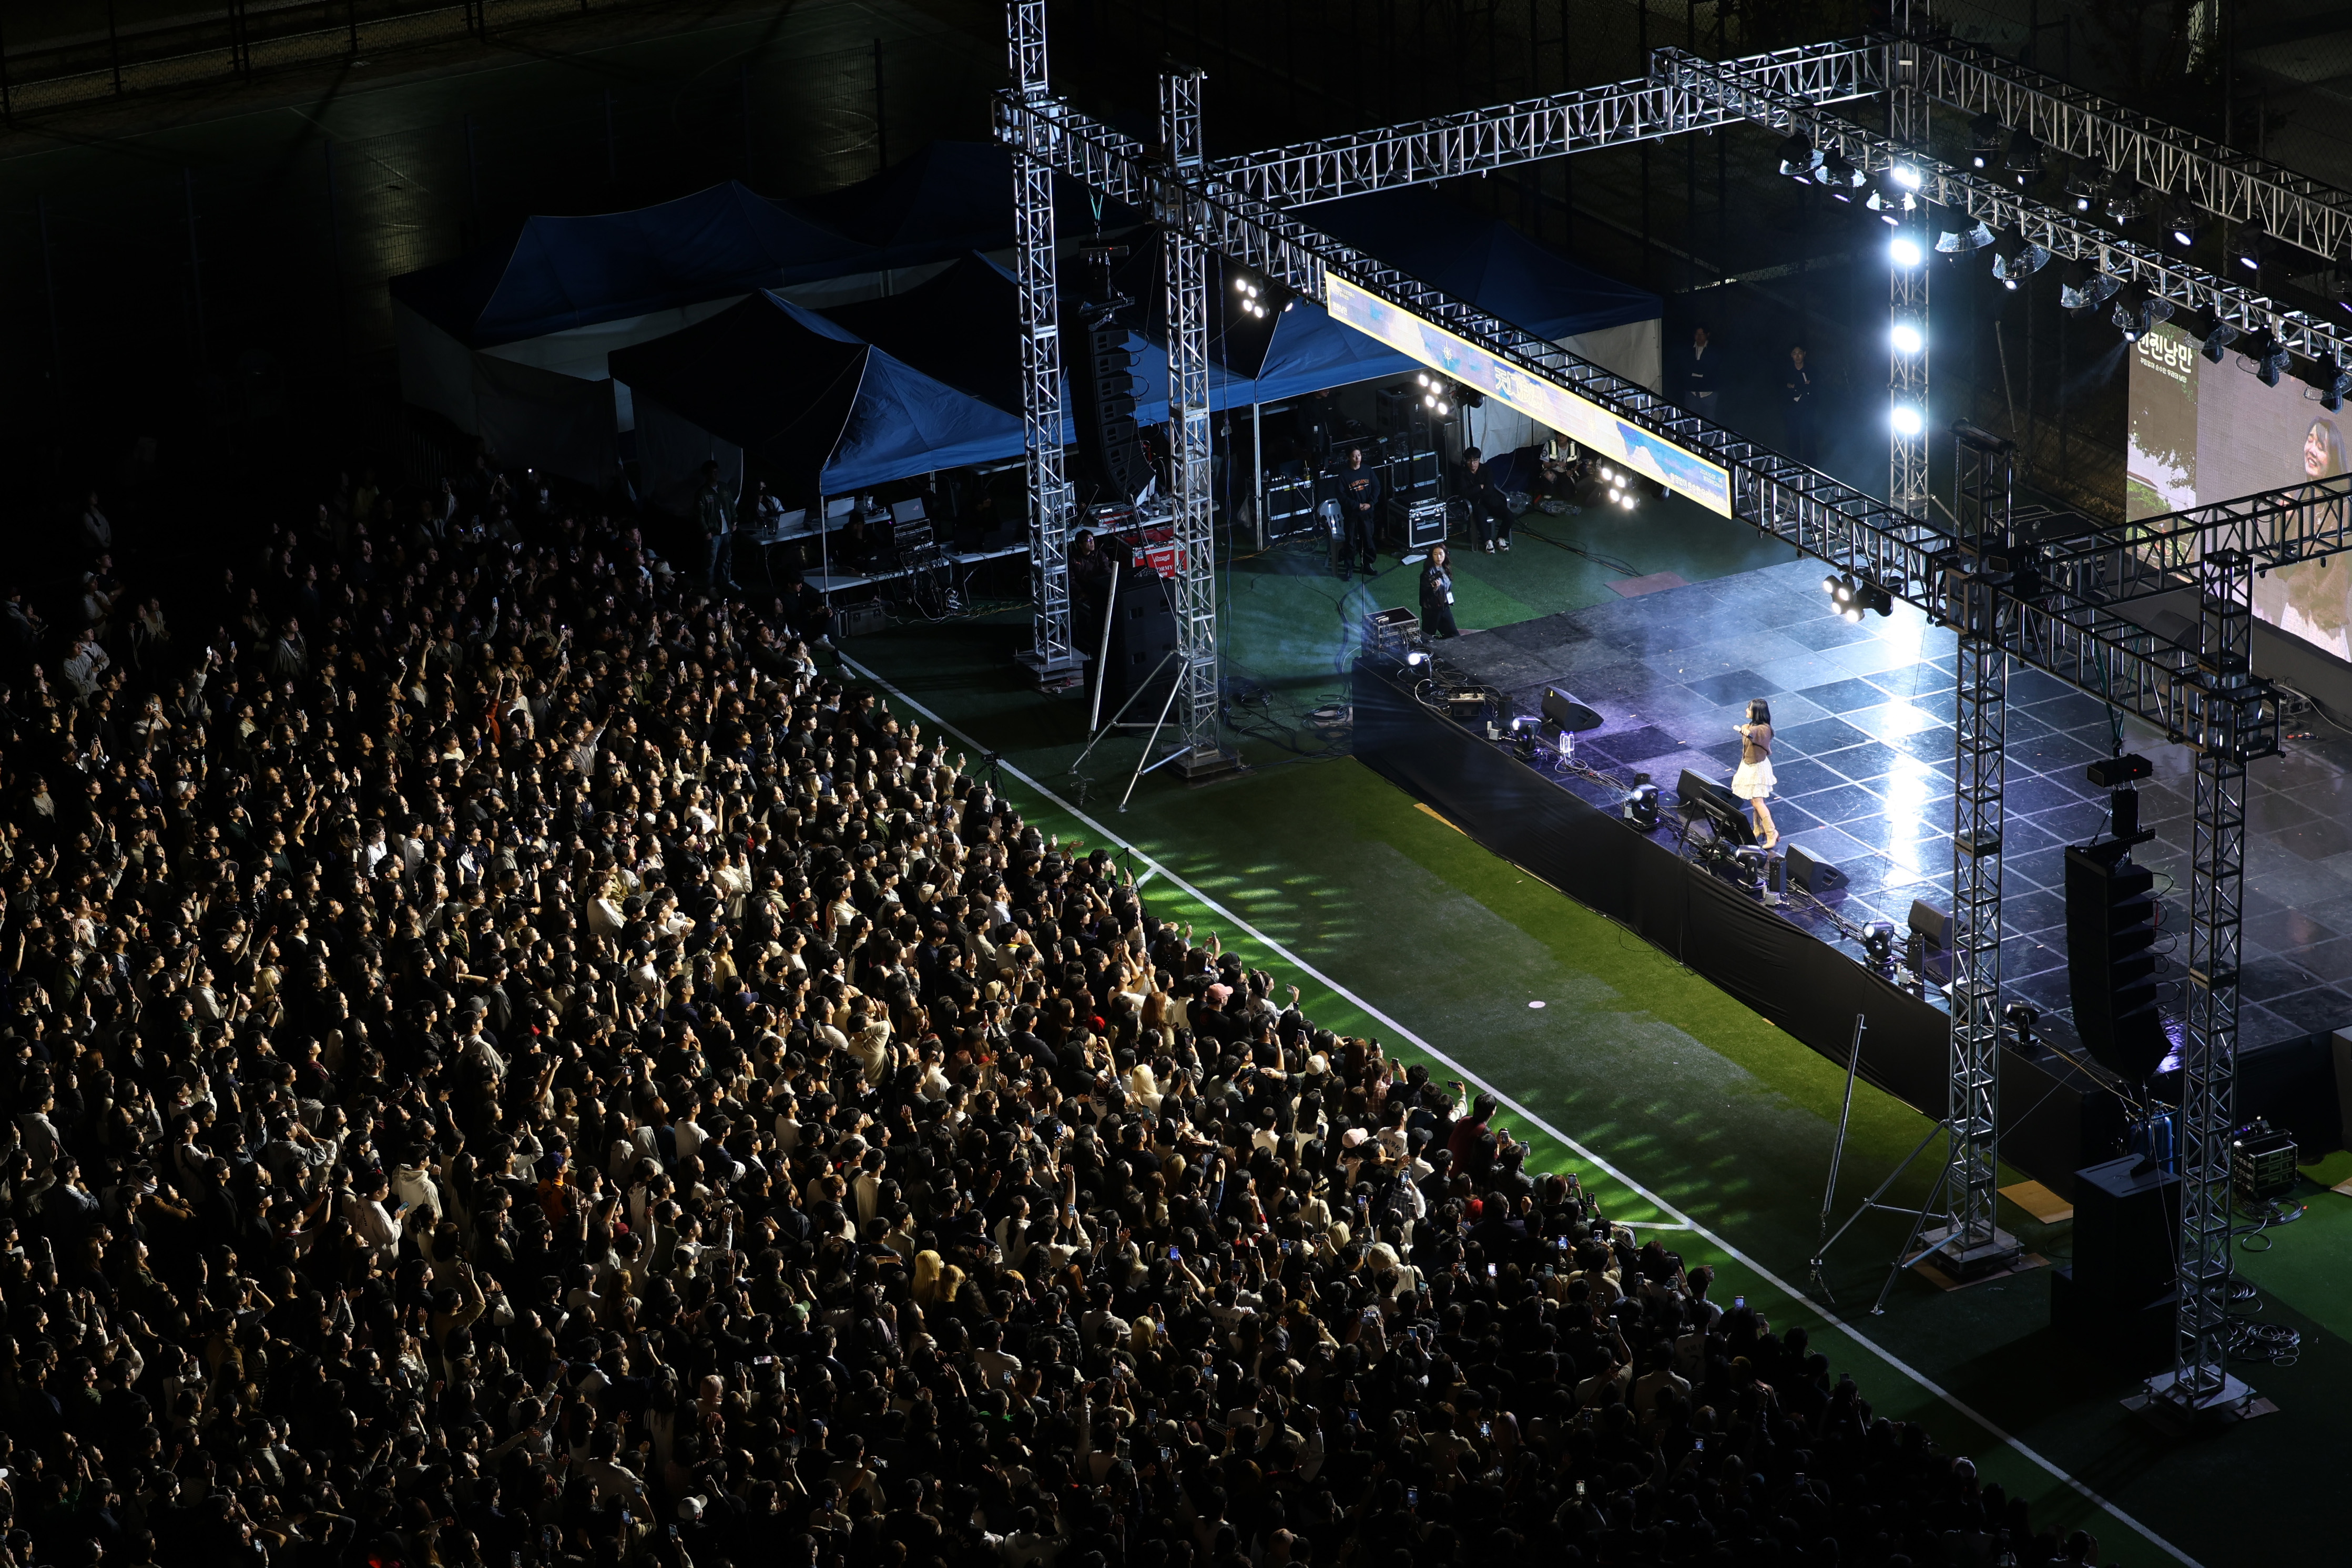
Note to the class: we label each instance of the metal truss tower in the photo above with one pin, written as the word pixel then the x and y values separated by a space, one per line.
pixel 1981 568
pixel 2209 1058
pixel 1050 655
pixel 1186 280
pixel 1907 286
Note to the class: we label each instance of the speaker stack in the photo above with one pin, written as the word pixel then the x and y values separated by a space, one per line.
pixel 1104 411
pixel 1142 638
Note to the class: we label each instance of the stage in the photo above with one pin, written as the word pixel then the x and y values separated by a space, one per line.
pixel 1863 722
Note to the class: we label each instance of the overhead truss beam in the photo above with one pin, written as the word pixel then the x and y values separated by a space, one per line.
pixel 2000 206
pixel 1480 141
pixel 2082 643
pixel 2230 184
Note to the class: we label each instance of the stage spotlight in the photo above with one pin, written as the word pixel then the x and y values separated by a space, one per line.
pixel 1417 657
pixel 1798 158
pixel 2084 287
pixel 1960 241
pixel 1986 136
pixel 1893 191
pixel 2251 248
pixel 2269 354
pixel 1870 596
pixel 1906 419
pixel 2138 311
pixel 2182 220
pixel 2022 162
pixel 1906 336
pixel 2015 259
pixel 2084 189
pixel 2125 201
pixel 1878 943
pixel 2217 342
pixel 1840 178
pixel 1830 584
pixel 1904 251
pixel 1640 807
pixel 2331 396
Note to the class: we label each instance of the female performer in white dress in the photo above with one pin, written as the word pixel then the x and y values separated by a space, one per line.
pixel 1754 781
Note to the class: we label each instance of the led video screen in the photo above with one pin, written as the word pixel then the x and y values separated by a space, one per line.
pixel 1579 418
pixel 2202 431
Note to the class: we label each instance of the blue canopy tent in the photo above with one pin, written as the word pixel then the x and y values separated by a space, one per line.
pixel 948 198
pixel 509 343
pixel 775 390
pixel 962 328
pixel 557 273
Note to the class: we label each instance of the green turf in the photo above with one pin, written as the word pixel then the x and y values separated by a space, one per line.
pixel 1688 1092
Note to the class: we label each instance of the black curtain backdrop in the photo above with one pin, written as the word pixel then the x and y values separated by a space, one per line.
pixel 1799 982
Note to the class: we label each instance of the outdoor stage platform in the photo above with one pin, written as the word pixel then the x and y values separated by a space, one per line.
pixel 1863 725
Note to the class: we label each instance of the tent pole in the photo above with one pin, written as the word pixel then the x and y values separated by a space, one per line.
pixel 824 550
pixel 1257 462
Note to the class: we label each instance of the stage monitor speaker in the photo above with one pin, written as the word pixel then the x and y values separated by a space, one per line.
pixel 1572 715
pixel 1816 877
pixel 2111 912
pixel 2127 1224
pixel 1931 922
pixel 1142 639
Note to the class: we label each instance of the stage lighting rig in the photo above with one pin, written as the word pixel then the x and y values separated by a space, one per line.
pixel 1893 191
pixel 1960 241
pixel 2182 219
pixel 1851 597
pixel 1878 947
pixel 1621 491
pixel 2340 382
pixel 2251 248
pixel 2015 258
pixel 1437 395
pixel 2269 354
pixel 1905 336
pixel 1640 805
pixel 1798 158
pixel 2138 311
pixel 2217 342
pixel 2126 202
pixel 2022 162
pixel 1987 136
pixel 2022 1018
pixel 1837 177
pixel 2086 288
pixel 1903 252
pixel 1906 419
pixel 2085 190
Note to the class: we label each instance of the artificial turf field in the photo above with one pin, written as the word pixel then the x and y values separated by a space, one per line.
pixel 1673 1099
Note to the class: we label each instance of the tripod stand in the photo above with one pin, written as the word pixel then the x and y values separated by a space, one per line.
pixel 1817 1278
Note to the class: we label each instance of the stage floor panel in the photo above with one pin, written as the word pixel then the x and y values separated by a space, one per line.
pixel 1863 720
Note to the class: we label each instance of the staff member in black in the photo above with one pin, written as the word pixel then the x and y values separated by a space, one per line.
pixel 1799 406
pixel 1437 596
pixel 1700 374
pixel 1485 498
pixel 1360 511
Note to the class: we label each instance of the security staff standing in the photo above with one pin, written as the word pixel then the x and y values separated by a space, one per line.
pixel 1360 513
pixel 1486 503
pixel 1700 376
pixel 1798 383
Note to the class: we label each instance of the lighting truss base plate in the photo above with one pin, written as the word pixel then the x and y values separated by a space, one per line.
pixel 1054 677
pixel 2226 1403
pixel 1209 764
pixel 1944 1248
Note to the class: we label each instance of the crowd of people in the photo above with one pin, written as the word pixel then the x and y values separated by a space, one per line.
pixel 515 1060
